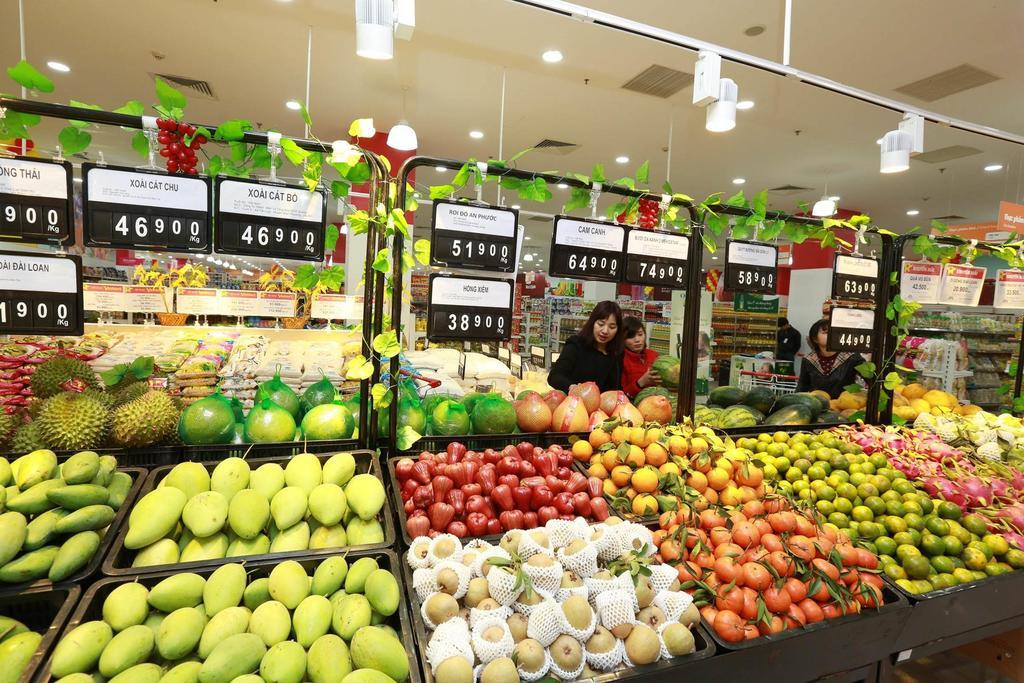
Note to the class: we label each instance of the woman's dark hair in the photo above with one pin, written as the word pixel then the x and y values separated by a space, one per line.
pixel 812 336
pixel 601 311
pixel 630 326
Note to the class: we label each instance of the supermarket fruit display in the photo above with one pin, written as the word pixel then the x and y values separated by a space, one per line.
pixel 327 621
pixel 730 407
pixel 566 600
pixel 210 511
pixel 467 493
pixel 56 516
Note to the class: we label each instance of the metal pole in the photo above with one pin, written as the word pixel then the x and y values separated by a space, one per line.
pixel 883 366
pixel 21 31
pixel 686 396
pixel 501 127
pixel 787 32
pixel 309 68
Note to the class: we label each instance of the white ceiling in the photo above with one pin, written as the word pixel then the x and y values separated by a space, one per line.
pixel 253 52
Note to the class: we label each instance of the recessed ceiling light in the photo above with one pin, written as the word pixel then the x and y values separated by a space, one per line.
pixel 994 167
pixel 528 257
pixel 738 181
pixel 745 104
pixel 293 105
pixel 528 237
pixel 552 56
pixel 59 66
pixel 834 198
pixel 878 141
pixel 440 169
pixel 476 134
pixel 563 186
pixel 913 212
pixel 515 206
pixel 623 159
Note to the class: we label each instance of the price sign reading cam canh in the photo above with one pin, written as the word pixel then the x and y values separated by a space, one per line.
pixel 587 250
pixel 920 281
pixel 962 284
pixel 35 201
pixel 464 308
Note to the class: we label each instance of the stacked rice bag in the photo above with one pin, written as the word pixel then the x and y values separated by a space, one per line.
pixel 197 376
pixel 238 375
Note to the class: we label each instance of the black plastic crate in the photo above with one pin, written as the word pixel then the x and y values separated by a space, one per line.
pixel 958 609
pixel 92 567
pixel 45 611
pixel 646 520
pixel 670 669
pixel 91 606
pixel 479 442
pixel 118 561
pixel 153 456
pixel 283 449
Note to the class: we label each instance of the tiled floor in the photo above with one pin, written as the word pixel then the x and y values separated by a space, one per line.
pixel 948 667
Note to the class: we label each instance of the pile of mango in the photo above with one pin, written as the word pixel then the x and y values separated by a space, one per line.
pixel 17 646
pixel 196 515
pixel 54 516
pixel 911 400
pixel 283 626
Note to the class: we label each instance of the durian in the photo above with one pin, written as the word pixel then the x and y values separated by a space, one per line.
pixel 72 421
pixel 8 425
pixel 49 377
pixel 129 393
pixel 104 398
pixel 148 420
pixel 27 439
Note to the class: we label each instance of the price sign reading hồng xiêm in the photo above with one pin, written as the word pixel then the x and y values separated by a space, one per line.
pixel 851 329
pixel 854 277
pixel 270 219
pixel 40 294
pixel 464 308
pixel 474 236
pixel 751 267
pixel 657 259
pixel 35 201
pixel 587 250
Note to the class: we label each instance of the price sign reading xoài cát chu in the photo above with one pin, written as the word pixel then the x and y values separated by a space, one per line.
pixel 35 201
pixel 657 259
pixel 751 267
pixel 40 294
pixel 151 210
pixel 854 277
pixel 474 236
pixel 587 250
pixel 962 284
pixel 267 219
pixel 851 329
pixel 464 308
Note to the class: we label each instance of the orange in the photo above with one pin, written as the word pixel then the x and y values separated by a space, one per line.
pixel 610 458
pixel 621 475
pixel 582 450
pixel 654 434
pixel 677 445
pixel 599 437
pixel 656 454
pixel 631 493
pixel 609 488
pixel 636 457
pixel 697 481
pixel 718 479
pixel 638 437
pixel 698 445
pixel 670 468
pixel 620 434
pixel 645 504
pixel 597 470
pixel 645 480
pixel 725 464
pixel 730 496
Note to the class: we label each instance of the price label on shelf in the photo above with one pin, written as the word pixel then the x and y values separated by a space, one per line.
pixel 657 259
pixel 139 299
pixel 751 267
pixel 150 210
pixel 239 302
pixel 921 281
pixel 40 294
pixel 464 308
pixel 35 201
pixel 851 329
pixel 102 296
pixel 587 250
pixel 277 304
pixel 328 306
pixel 197 301
pixel 1009 289
pixel 961 284
pixel 264 219
pixel 473 236
pixel 854 277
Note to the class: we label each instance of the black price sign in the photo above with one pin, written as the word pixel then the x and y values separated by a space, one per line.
pixel 264 219
pixel 35 201
pixel 469 308
pixel 751 267
pixel 152 210
pixel 851 329
pixel 854 277
pixel 40 294
pixel 657 259
pixel 474 236
pixel 587 250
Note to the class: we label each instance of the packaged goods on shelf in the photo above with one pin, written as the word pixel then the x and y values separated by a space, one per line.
pixel 440 360
pixel 197 376
pixel 238 374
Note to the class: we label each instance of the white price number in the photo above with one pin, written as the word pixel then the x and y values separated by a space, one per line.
pixel 661 271
pixel 467 321
pixel 858 287
pixel 854 339
pixel 474 249
pixel 139 227
pixel 754 279
pixel 22 310
pixel 261 235
pixel 30 217
pixel 584 263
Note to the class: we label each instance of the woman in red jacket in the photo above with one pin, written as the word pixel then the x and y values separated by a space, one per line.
pixel 637 358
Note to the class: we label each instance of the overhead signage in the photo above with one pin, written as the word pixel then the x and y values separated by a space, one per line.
pixel 751 267
pixel 329 306
pixel 103 296
pixel 961 284
pixel 35 201
pixel 920 281
pixel 754 303
pixel 1009 291
pixel 473 236
pixel 464 308
pixel 40 294
pixel 151 210
pixel 197 301
pixel 140 299
pixel 851 329
pixel 1011 217
pixel 587 250
pixel 239 302
pixel 257 218
pixel 854 277
pixel 657 259
pixel 277 304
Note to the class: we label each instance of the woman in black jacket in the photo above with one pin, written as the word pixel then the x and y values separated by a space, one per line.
pixel 826 370
pixel 593 355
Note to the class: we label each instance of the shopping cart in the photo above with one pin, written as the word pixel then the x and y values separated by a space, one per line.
pixel 778 384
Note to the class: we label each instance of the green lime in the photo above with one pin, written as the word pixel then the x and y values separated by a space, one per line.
pixel 847 490
pixel 883 484
pixel 862 513
pixel 933 545
pixel 937 525
pixel 867 468
pixel 895 524
pixel 895 508
pixel 943 580
pixel 958 563
pixel 916 566
pixel 822 454
pixel 857 478
pixel 876 505
pixel 869 546
pixel 923 586
pixel 997 568
pixel 874 530
pixel 878 460
pixel 801 485
pixel 827 493
pixel 916 535
pixel 953 545
pixel 794 474
pixel 806 494
pixel 1015 558
pixel 997 544
pixel 907 585
pixel 816 484
pixel 843 475
pixel 961 533
pixel 803 464
pixel 905 551
pixel 891 496
pixel 983 547
pixel 782 464
pixel 824 507
pixel 840 463
pixel 816 472
pixel 949 510
pixel 911 506
pixel 902 486
pixel 886 545
pixel 904 538
pixel 974 558
pixel 942 564
pixel 844 505
pixel 914 520
pixel 978 575
pixel 926 504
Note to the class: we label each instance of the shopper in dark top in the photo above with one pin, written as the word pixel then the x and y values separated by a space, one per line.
pixel 826 370
pixel 593 355
pixel 788 340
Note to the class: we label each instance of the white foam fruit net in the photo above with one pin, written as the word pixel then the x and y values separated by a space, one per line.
pixel 456 555
pixel 463 573
pixel 528 547
pixel 477 616
pixel 487 650
pixel 545 622
pixel 605 661
pixel 582 563
pixel 547 578
pixel 614 608
pixel 501 585
pixel 672 603
pixel 531 676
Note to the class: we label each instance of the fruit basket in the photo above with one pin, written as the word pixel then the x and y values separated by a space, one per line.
pixel 119 560
pixel 91 567
pixel 91 606
pixel 45 611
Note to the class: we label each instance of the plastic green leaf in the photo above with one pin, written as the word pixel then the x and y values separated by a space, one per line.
pixel 853 388
pixel 169 97
pixel 359 368
pixel 312 172
pixel 261 157
pixel 421 249
pixel 340 188
pixel 306 277
pixel 737 199
pixel 305 115
pixel 213 168
pixel 579 197
pixel 597 174
pixel 26 75
pixel 441 191
pixel 892 380
pixel 131 108
pixel 114 375
pixel 362 128
pixel 461 176
pixel 386 343
pixel 866 370
pixel 626 182
pixel 400 222
pixel 82 105
pixel 360 173
pixel 406 437
pixel 331 237
pixel 760 204
pixel 358 222
pixel 140 144
pixel 141 367
pixel 332 278
pixel 643 174
pixel 73 140
pixel 377 392
pixel 293 152
pixel 381 263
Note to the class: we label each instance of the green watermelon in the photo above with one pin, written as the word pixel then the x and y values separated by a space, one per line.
pixel 727 396
pixel 812 402
pixel 739 416
pixel 652 391
pixel 793 414
pixel 761 398
pixel 668 369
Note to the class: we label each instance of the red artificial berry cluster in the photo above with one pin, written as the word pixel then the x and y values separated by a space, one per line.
pixel 181 158
pixel 647 214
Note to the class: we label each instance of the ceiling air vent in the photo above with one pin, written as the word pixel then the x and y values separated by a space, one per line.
pixel 946 83
pixel 196 87
pixel 944 154
pixel 659 81
pixel 556 146
pixel 950 217
pixel 789 189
